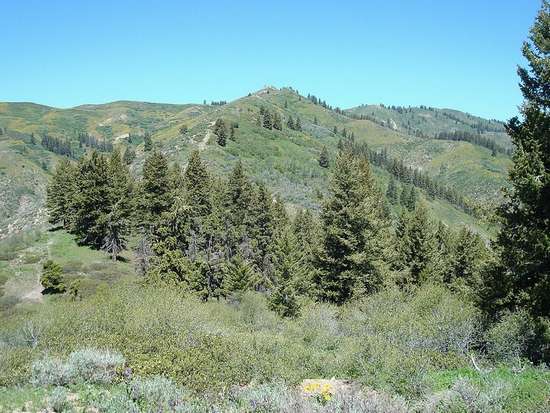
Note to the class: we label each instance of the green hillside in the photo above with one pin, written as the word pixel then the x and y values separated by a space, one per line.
pixel 431 121
pixel 286 160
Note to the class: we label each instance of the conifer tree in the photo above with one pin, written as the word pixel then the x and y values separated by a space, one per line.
pixel 267 121
pixel 91 203
pixel 129 155
pixel 419 247
pixel 277 122
pixel 290 123
pixel 118 218
pixel 239 275
pixel 289 268
pixel 52 278
pixel 523 278
pixel 60 193
pixel 392 193
pixel 351 253
pixel 323 158
pixel 147 142
pixel 155 190
pixel 298 124
pixel 220 130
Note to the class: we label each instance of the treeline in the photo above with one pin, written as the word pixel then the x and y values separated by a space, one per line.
pixel 475 139
pixel 218 236
pixel 85 139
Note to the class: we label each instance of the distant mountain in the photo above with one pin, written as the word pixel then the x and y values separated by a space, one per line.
pixel 286 160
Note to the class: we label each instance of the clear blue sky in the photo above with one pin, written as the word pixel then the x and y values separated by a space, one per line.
pixel 459 54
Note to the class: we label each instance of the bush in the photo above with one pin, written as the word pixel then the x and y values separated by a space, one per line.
pixel 95 366
pixel 50 371
pixel 88 366
pixel 57 400
pixel 509 338
pixel 156 393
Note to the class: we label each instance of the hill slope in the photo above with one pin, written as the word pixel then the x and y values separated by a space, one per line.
pixel 286 159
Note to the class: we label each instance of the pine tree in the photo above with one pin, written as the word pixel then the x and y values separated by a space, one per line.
pixel 220 130
pixel 419 248
pixel 129 155
pixel 523 279
pixel 155 190
pixel 147 142
pixel 470 255
pixel 351 256
pixel 298 124
pixel 267 121
pixel 238 275
pixel 277 122
pixel 392 192
pixel 290 123
pixel 197 186
pixel 289 268
pixel 118 219
pixel 52 278
pixel 232 134
pixel 323 158
pixel 60 193
pixel 91 203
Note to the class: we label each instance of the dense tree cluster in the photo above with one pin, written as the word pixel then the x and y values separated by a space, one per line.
pixel 270 119
pixel 219 236
pixel 85 139
pixel 474 138
pixel 57 145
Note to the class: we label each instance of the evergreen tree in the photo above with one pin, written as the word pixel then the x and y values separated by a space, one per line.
pixel 232 133
pixel 91 203
pixel 392 192
pixel 239 275
pixel 277 122
pixel 289 264
pixel 220 130
pixel 52 278
pixel 523 278
pixel 147 142
pixel 470 255
pixel 129 155
pixel 290 123
pixel 267 121
pixel 323 158
pixel 155 190
pixel 418 246
pixel 118 219
pixel 60 193
pixel 298 124
pixel 351 253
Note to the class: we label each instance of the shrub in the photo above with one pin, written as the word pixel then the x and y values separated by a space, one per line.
pixel 50 371
pixel 156 393
pixel 58 402
pixel 88 366
pixel 508 339
pixel 95 366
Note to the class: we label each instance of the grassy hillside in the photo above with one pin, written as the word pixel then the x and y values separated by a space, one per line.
pixel 285 160
pixel 431 121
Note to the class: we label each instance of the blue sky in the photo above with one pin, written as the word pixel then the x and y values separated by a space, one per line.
pixel 457 54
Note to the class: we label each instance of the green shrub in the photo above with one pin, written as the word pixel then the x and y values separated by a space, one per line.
pixel 509 338
pixel 95 366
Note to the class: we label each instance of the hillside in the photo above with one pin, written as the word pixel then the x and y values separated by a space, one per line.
pixel 287 160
